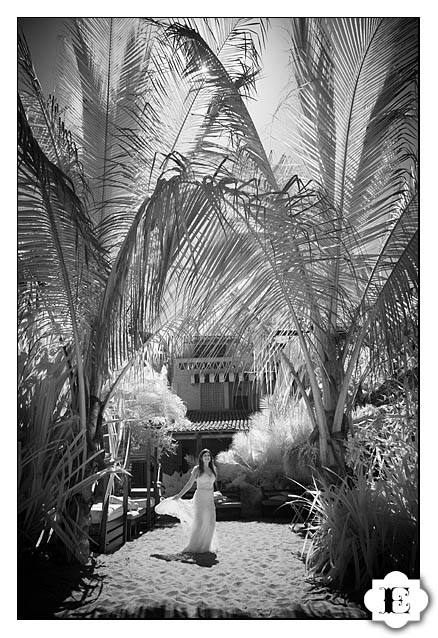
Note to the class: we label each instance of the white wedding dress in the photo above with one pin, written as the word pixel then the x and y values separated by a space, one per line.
pixel 197 516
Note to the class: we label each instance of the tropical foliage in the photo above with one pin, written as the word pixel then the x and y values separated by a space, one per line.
pixel 261 454
pixel 366 525
pixel 149 407
pixel 382 437
pixel 149 210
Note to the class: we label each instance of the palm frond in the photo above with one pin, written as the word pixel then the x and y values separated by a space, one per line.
pixel 352 76
pixel 356 109
pixel 392 291
pixel 57 249
pixel 227 129
pixel 46 123
pixel 102 70
pixel 237 42
pixel 126 93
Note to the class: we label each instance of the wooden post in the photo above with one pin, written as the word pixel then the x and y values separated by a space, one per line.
pixel 125 506
pixel 180 455
pixel 104 519
pixel 148 485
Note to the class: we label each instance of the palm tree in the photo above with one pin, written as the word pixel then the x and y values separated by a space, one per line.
pixel 339 270
pixel 111 181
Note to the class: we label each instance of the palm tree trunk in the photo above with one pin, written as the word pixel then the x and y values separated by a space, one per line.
pixel 156 477
pixel 81 504
pixel 94 427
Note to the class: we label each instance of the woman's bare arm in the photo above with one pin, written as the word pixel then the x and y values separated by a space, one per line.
pixel 189 483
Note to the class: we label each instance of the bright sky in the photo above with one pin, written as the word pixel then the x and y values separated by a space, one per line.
pixel 272 81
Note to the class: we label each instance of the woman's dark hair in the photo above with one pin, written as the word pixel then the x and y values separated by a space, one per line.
pixel 201 462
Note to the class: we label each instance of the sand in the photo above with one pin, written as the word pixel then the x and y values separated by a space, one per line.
pixel 257 573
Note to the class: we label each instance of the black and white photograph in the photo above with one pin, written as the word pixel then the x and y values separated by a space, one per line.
pixel 218 320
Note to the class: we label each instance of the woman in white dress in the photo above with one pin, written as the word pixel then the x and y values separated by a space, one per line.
pixel 197 515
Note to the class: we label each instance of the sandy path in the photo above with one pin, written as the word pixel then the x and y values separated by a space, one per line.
pixel 257 572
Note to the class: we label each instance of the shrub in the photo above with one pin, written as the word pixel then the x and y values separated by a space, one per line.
pixel 364 526
pixel 380 437
pixel 359 533
pixel 260 453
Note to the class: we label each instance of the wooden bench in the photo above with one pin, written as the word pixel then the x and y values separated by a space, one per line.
pixel 108 523
pixel 231 507
pixel 228 510
pixel 273 503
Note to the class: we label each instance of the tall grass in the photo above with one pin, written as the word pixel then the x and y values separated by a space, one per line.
pixel 51 476
pixel 54 473
pixel 366 525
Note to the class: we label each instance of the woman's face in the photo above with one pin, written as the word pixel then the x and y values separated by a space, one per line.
pixel 206 458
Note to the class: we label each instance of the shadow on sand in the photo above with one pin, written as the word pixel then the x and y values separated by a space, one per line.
pixel 202 560
pixel 42 588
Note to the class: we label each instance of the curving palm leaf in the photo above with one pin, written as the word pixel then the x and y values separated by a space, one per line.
pixel 55 242
pixel 356 114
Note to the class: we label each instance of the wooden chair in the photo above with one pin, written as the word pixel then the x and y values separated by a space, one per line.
pixel 109 517
pixel 133 524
